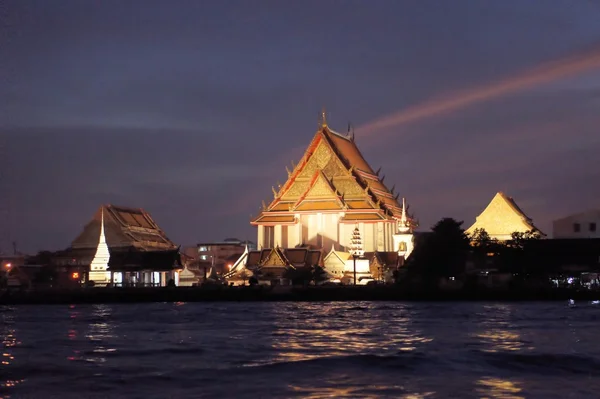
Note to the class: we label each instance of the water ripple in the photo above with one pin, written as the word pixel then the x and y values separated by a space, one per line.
pixel 311 350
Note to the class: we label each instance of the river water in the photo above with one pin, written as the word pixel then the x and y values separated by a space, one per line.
pixel 310 350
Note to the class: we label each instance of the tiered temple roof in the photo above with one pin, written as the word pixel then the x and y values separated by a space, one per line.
pixel 277 260
pixel 332 175
pixel 123 228
pixel 502 217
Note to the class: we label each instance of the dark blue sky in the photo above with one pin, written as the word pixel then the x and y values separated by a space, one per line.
pixel 192 109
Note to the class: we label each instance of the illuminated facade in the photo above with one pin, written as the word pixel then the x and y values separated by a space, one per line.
pixel 501 218
pixel 125 243
pixel 329 194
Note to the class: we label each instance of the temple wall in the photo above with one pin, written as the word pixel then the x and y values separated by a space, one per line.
pixel 324 230
pixel 343 242
pixel 330 230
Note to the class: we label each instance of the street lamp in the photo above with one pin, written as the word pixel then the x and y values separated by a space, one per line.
pixel 356 248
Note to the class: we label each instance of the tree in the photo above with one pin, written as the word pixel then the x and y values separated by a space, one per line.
pixel 483 246
pixel 515 256
pixel 442 253
pixel 319 274
pixel 244 275
pixel 520 239
pixel 298 276
pixel 42 258
pixel 46 275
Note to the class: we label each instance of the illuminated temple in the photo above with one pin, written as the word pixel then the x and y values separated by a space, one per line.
pixel 501 218
pixel 123 246
pixel 329 196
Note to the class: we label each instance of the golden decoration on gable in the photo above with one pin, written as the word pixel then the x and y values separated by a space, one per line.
pixel 334 168
pixel 317 161
pixel 273 259
pixel 298 188
pixel 321 188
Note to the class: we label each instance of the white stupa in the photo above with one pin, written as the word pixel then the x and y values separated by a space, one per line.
pixel 99 273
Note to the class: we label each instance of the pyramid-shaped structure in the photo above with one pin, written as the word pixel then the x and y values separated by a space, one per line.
pixel 501 218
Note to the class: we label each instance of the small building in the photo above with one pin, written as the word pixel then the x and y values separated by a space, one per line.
pixel 501 218
pixel 134 268
pixel 221 255
pixel 280 265
pixel 132 238
pixel 579 225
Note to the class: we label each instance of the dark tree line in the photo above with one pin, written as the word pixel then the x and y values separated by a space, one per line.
pixel 448 250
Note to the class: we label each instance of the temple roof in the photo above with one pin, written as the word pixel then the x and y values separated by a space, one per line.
pixel 332 175
pixel 502 217
pixel 282 258
pixel 123 228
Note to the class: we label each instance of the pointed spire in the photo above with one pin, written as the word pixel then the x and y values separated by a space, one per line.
pixel 323 118
pixel 102 236
pixel 404 225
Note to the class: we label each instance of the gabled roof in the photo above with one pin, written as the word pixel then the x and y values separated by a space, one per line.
pixel 332 175
pixel 123 228
pixel 282 257
pixel 339 256
pixel 502 217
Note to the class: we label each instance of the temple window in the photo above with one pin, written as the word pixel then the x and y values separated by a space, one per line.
pixel 592 226
pixel 576 227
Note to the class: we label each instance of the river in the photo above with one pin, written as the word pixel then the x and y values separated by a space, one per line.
pixel 305 350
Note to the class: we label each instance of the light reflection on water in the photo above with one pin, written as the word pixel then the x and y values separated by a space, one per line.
pixel 312 350
pixel 99 333
pixel 355 392
pixel 490 387
pixel 8 335
pixel 338 329
pixel 499 333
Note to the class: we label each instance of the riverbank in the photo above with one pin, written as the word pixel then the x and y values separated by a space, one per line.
pixel 239 294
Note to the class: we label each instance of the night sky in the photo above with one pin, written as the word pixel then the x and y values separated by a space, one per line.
pixel 192 109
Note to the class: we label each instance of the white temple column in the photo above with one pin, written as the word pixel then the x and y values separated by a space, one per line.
pixel 277 236
pixel 261 237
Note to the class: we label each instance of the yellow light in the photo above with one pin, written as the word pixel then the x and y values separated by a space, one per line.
pixel 75 275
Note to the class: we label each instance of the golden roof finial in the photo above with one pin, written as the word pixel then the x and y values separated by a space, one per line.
pixel 323 118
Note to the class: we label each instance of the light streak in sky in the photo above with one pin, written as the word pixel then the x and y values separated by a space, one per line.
pixel 546 73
